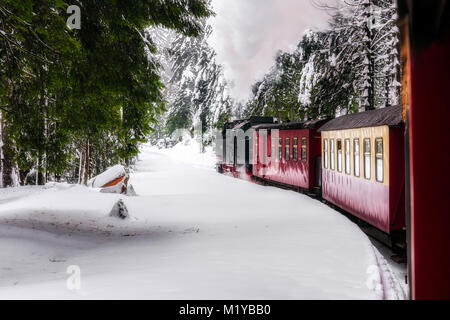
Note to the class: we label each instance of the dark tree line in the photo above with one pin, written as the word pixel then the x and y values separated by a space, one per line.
pixel 73 102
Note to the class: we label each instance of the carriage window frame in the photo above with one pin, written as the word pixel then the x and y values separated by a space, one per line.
pixel 295 149
pixel 332 158
pixel 347 159
pixel 356 154
pixel 367 155
pixel 272 148
pixel 280 149
pixel 287 148
pixel 325 153
pixel 339 154
pixel 379 156
pixel 304 149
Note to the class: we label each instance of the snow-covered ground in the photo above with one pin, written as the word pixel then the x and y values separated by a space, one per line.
pixel 194 234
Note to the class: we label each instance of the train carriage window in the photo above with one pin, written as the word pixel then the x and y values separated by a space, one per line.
pixel 295 149
pixel 379 159
pixel 280 149
pixel 325 153
pixel 367 158
pixel 304 149
pixel 356 157
pixel 256 149
pixel 339 154
pixel 273 149
pixel 287 149
pixel 235 151
pixel 332 154
pixel 347 156
pixel 263 151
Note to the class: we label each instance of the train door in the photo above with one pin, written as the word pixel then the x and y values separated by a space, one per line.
pixel 264 156
pixel 318 172
pixel 247 150
pixel 248 165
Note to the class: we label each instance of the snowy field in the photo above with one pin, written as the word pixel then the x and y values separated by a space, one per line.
pixel 194 234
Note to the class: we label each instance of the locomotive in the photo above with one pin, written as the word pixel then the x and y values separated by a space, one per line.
pixel 354 163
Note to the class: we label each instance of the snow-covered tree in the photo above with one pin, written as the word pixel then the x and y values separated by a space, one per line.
pixel 351 66
pixel 365 37
pixel 277 93
pixel 197 90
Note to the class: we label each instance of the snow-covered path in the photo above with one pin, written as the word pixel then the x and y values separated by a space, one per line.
pixel 196 235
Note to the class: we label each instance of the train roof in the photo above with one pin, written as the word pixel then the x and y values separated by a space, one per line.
pixel 232 124
pixel 312 124
pixel 245 124
pixel 389 116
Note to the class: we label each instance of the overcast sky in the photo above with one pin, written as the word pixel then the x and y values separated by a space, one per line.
pixel 248 33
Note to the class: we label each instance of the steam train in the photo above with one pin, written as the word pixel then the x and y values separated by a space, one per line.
pixel 354 162
pixel 364 153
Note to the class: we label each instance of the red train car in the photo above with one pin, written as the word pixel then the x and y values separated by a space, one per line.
pixel 288 154
pixel 234 152
pixel 366 177
pixel 363 166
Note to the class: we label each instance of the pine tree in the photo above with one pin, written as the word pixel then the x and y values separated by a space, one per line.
pixel 198 89
pixel 35 47
pixel 65 95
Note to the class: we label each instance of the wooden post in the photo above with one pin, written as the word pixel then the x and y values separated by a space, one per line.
pixel 6 158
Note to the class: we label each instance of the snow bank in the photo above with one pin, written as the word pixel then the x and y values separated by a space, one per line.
pixel 109 175
pixel 66 210
pixel 194 234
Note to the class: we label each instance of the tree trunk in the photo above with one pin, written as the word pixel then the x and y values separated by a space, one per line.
pixel 369 85
pixel 23 176
pixel 86 172
pixel 37 171
pixel 41 178
pixel 40 174
pixel 6 156
pixel 80 169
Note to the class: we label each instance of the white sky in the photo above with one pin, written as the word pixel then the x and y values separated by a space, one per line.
pixel 248 33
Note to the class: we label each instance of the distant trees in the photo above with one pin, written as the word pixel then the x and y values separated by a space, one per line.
pixel 351 66
pixel 365 37
pixel 198 89
pixel 277 94
pixel 73 102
